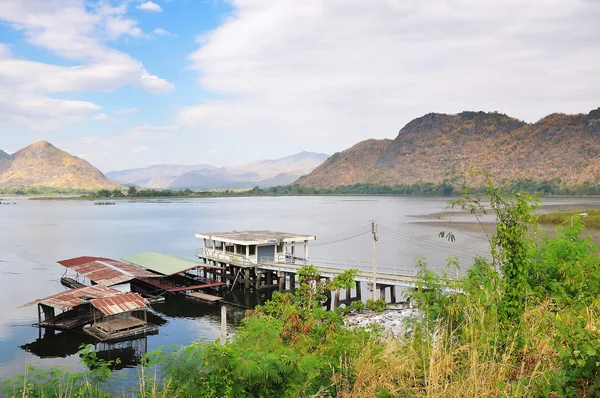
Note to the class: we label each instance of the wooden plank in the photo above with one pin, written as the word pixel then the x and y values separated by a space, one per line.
pixel 195 287
pixel 115 325
pixel 209 298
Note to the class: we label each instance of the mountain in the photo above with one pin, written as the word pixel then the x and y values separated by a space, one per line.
pixel 3 154
pixel 264 173
pixel 156 176
pixel 438 147
pixel 43 165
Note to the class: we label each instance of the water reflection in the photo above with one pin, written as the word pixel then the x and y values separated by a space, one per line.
pixel 61 344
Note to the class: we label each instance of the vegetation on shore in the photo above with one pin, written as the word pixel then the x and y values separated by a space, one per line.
pixel 525 323
pixel 547 188
pixel 589 218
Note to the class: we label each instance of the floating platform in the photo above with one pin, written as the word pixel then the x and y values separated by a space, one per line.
pixel 203 297
pixel 120 329
pixel 67 320
pixel 71 283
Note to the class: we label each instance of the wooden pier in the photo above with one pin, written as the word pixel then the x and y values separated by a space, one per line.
pixel 238 256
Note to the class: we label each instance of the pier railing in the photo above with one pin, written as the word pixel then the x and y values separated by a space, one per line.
pixel 230 258
pixel 382 268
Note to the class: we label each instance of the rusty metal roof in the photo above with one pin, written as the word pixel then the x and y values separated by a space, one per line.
pixel 120 303
pixel 72 298
pixel 106 271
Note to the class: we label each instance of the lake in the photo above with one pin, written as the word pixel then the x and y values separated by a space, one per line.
pixel 36 234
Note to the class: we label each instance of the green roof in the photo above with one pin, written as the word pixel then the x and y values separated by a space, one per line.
pixel 165 264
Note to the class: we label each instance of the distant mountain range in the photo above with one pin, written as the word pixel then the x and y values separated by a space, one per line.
pixel 264 173
pixel 43 165
pixel 439 147
pixel 156 176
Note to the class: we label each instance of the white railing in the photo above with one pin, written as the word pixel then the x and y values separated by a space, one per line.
pixel 230 258
pixel 281 258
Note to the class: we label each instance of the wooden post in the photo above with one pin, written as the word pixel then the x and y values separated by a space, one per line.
pixel 348 293
pixel 336 302
pixel 293 282
pixel 393 294
pixel 223 324
pixel 269 278
pixel 358 292
pixel 39 314
pixel 281 275
pixel 247 276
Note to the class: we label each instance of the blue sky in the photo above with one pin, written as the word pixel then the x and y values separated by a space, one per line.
pixel 129 83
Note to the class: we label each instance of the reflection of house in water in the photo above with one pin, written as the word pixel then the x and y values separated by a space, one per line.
pixel 128 352
pixel 55 344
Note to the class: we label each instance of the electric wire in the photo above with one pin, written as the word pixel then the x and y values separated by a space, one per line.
pixel 342 239
pixel 342 236
pixel 432 248
pixel 410 238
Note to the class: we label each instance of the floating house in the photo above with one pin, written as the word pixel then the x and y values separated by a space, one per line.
pixel 74 306
pixel 119 316
pixel 103 271
pixel 113 314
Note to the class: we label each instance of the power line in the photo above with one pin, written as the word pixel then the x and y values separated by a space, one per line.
pixel 342 239
pixel 409 238
pixel 433 249
pixel 349 232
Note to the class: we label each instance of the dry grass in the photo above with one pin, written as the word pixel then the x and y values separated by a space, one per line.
pixel 471 364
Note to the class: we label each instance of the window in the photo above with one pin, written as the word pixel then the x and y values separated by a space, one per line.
pixel 252 250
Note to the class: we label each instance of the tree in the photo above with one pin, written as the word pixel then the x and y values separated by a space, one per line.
pixel 132 191
pixel 509 246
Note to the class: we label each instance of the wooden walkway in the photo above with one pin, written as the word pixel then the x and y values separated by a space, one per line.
pixel 203 297
pixel 330 272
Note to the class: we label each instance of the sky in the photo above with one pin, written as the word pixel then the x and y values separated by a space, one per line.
pixel 130 83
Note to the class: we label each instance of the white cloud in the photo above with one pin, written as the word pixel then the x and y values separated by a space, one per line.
pixel 77 32
pixel 126 111
pixel 149 6
pixel 151 144
pixel 345 70
pixel 162 32
pixel 101 116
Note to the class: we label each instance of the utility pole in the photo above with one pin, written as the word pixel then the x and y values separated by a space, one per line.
pixel 374 285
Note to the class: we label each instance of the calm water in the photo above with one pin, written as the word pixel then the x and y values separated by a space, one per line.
pixel 35 234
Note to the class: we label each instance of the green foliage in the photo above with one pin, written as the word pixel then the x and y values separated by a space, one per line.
pixel 589 218
pixel 510 244
pixel 42 191
pixel 60 382
pixel 289 347
pixel 378 305
pixel 565 267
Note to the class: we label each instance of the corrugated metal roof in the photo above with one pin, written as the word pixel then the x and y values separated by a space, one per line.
pixel 82 260
pixel 72 298
pixel 118 304
pixel 106 271
pixel 165 264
